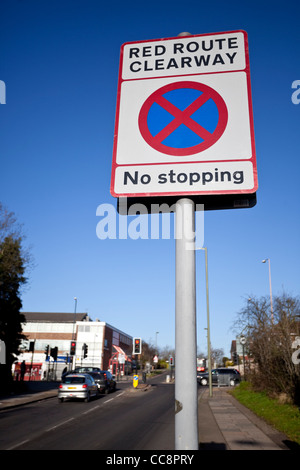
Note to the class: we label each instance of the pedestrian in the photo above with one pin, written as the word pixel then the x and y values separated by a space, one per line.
pixel 23 369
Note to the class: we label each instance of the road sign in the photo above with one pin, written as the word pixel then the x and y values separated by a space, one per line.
pixel 184 123
pixel 121 358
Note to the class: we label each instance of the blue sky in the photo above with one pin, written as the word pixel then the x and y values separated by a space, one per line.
pixel 59 61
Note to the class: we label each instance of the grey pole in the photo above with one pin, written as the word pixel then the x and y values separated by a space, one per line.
pixel 186 403
pixel 208 326
pixel 74 331
pixel 270 284
pixel 74 321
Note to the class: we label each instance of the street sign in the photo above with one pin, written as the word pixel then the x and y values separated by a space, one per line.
pixel 184 123
pixel 121 358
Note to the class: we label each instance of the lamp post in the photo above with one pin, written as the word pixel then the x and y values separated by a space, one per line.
pixel 74 322
pixel 270 284
pixel 156 352
pixel 74 331
pixel 208 324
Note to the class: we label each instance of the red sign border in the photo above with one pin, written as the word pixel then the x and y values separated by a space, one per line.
pixel 250 107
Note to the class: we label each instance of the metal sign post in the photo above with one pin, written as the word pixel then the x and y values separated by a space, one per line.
pixel 186 404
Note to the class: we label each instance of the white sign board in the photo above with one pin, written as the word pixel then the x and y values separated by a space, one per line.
pixel 184 120
pixel 121 359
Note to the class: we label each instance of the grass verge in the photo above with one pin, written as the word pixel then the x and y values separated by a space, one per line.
pixel 283 417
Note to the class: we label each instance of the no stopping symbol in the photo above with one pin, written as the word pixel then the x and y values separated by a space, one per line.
pixel 183 118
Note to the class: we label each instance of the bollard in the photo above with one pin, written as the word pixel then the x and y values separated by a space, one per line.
pixel 135 380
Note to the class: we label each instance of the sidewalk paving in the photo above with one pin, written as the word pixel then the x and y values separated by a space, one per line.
pixel 223 423
pixel 31 391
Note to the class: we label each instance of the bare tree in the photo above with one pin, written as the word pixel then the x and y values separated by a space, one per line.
pixel 270 343
pixel 217 357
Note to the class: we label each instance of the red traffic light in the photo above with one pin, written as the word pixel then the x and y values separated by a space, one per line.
pixel 72 348
pixel 137 346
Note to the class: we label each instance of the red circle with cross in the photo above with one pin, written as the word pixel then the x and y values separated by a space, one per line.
pixel 183 117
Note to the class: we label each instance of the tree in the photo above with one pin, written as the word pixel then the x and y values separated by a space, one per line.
pixel 217 356
pixel 270 343
pixel 13 261
pixel 148 353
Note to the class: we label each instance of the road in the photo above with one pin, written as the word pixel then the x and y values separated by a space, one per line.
pixel 126 419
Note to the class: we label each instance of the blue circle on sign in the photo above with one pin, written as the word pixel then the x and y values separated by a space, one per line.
pixel 183 118
pixel 207 116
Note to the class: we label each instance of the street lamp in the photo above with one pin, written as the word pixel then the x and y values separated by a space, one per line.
pixel 73 336
pixel 156 341
pixel 208 323
pixel 270 284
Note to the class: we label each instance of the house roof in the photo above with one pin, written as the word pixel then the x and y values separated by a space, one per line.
pixel 54 317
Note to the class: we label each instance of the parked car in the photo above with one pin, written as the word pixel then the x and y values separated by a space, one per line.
pixel 81 386
pixel 104 381
pixel 221 376
pixel 87 369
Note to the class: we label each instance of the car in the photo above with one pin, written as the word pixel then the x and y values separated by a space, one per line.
pixel 221 376
pixel 104 381
pixel 80 370
pixel 87 369
pixel 81 386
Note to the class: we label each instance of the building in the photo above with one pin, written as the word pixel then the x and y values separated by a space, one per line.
pixel 47 348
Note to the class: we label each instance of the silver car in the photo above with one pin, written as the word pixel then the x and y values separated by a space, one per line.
pixel 77 386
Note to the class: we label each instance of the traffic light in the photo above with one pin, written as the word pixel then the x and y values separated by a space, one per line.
pixel 137 346
pixel 235 358
pixel 85 350
pixel 72 348
pixel 47 351
pixel 171 361
pixel 53 353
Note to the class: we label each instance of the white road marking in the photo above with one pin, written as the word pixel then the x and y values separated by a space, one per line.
pixel 60 424
pixel 18 445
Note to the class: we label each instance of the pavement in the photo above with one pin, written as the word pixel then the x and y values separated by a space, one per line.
pixel 223 423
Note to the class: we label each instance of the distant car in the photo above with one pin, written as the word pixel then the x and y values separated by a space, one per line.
pixel 80 370
pixel 81 386
pixel 104 381
pixel 221 376
pixel 87 369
